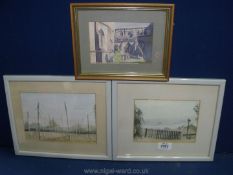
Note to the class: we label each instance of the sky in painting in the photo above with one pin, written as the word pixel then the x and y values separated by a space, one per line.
pixel 167 112
pixel 52 106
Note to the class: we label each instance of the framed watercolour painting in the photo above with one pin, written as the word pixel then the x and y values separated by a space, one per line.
pixel 173 121
pixel 122 40
pixel 59 117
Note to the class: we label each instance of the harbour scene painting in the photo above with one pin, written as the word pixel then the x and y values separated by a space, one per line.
pixel 60 117
pixel 166 120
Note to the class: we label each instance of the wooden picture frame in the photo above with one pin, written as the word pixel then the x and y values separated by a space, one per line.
pixel 56 116
pixel 122 41
pixel 168 121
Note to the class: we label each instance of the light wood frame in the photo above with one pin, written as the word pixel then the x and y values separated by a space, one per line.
pixel 205 90
pixel 101 149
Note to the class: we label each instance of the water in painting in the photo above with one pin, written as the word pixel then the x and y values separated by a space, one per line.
pixel 165 120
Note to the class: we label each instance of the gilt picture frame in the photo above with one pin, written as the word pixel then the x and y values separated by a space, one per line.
pixel 57 116
pixel 166 121
pixel 122 41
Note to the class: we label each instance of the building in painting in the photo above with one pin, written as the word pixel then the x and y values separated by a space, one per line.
pixel 137 42
pixel 110 44
pixel 102 34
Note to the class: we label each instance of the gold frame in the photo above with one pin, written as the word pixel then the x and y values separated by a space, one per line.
pixel 163 76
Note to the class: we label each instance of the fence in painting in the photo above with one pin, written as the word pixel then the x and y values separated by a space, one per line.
pixel 162 134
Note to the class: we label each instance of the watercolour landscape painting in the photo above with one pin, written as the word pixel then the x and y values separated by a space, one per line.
pixel 60 117
pixel 120 42
pixel 166 120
